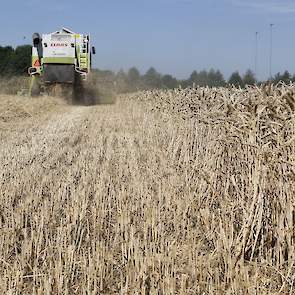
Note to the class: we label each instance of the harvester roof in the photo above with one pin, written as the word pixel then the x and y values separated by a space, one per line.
pixel 63 31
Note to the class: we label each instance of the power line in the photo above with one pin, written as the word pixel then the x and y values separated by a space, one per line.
pixel 270 51
pixel 256 53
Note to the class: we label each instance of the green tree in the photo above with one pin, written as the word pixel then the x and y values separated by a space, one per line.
pixel 249 78
pixel 215 78
pixel 133 79
pixel 152 79
pixel 21 59
pixel 15 61
pixel 211 78
pixel 194 78
pixel 169 82
pixel 236 80
pixel 203 78
pixel 219 79
pixel 277 78
pixel 133 74
pixel 286 77
pixel 6 55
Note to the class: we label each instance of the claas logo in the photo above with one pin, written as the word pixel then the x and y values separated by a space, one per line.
pixel 59 45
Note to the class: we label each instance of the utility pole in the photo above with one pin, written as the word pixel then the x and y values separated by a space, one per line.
pixel 256 53
pixel 270 52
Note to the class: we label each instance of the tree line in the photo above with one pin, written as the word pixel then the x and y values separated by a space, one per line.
pixel 132 80
pixel 16 61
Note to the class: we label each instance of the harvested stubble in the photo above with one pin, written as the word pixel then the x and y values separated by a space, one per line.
pixel 165 192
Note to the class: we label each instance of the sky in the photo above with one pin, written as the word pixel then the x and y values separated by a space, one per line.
pixel 174 36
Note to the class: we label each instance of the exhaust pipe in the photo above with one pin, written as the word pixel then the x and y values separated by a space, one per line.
pixel 36 39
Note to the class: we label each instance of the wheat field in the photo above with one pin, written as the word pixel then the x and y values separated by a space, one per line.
pixel 164 192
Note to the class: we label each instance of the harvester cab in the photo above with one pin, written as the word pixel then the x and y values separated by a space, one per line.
pixel 62 57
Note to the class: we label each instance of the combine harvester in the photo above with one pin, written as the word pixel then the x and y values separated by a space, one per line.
pixel 62 58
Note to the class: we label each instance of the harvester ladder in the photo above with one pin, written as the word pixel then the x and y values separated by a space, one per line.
pixel 84 55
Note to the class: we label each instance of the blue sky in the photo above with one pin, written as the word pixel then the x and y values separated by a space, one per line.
pixel 174 36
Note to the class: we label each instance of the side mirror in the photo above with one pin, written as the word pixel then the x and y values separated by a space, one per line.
pixel 36 39
pixel 93 50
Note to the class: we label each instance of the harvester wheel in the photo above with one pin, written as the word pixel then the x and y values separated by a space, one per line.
pixel 35 87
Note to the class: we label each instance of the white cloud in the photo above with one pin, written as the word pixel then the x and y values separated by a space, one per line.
pixel 273 6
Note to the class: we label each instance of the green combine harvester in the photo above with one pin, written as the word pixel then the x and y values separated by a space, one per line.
pixel 61 58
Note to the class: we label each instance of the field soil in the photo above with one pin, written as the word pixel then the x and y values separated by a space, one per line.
pixel 163 192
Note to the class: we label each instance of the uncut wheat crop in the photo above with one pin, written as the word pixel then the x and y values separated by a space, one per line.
pixel 185 191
